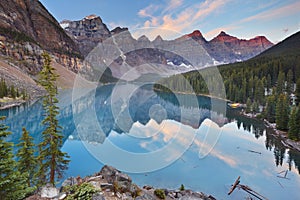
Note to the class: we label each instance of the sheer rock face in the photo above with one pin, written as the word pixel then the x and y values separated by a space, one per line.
pixel 36 24
pixel 27 29
pixel 87 32
pixel 226 48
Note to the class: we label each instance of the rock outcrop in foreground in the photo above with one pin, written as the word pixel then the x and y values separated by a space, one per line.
pixel 110 184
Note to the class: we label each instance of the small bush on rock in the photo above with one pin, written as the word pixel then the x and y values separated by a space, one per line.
pixel 83 191
pixel 160 193
pixel 182 187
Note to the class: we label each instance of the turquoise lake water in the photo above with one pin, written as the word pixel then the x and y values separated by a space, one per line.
pixel 166 140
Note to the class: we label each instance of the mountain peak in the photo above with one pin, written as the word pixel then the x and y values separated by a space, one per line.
pixel 118 30
pixel 224 37
pixel 195 34
pixel 144 38
pixel 92 16
pixel 223 33
pixel 261 40
pixel 158 39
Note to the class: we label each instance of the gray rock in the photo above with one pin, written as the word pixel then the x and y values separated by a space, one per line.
pixel 49 191
pixel 69 182
pixel 62 196
pixel 105 186
pixel 146 196
pixel 98 196
pixel 121 182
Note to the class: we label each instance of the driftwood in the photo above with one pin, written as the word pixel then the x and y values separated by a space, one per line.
pixel 254 151
pixel 246 188
pixel 237 181
pixel 285 174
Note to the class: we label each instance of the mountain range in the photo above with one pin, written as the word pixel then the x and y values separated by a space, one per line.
pixel 191 51
pixel 27 29
pixel 224 48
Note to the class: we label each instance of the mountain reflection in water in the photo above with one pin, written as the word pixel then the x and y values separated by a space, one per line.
pixel 148 121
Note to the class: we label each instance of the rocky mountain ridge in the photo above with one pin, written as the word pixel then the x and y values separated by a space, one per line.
pixel 223 48
pixel 188 52
pixel 29 20
pixel 27 29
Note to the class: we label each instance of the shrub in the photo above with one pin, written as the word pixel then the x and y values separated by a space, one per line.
pixel 182 187
pixel 83 191
pixel 160 193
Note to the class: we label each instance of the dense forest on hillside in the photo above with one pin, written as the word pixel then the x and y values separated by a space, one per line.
pixel 268 80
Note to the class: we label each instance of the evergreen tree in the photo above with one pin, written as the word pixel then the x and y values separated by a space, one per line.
pixel 255 107
pixel 54 160
pixel 12 182
pixel 248 106
pixel 3 89
pixel 298 123
pixel 259 92
pixel 26 160
pixel 269 82
pixel 40 176
pixel 23 94
pixel 17 93
pixel 290 82
pixel 271 109
pixel 297 92
pixel 280 83
pixel 282 112
pixel 12 91
pixel 293 132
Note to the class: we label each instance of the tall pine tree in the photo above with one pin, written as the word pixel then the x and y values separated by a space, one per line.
pixel 12 182
pixel 298 121
pixel 282 112
pixel 293 132
pixel 297 92
pixel 26 160
pixel 52 159
pixel 280 83
pixel 290 82
pixel 271 109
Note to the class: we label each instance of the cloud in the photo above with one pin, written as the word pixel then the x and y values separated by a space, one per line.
pixel 275 13
pixel 168 24
pixel 209 7
pixel 172 5
pixel 148 11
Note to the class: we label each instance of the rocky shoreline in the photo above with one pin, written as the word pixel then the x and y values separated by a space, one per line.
pixel 10 104
pixel 282 135
pixel 111 184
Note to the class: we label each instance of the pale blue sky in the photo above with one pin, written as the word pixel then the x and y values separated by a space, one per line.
pixel 275 19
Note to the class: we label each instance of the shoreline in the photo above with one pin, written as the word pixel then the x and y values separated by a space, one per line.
pixel 281 135
pixel 200 95
pixel 17 103
pixel 11 104
pixel 111 184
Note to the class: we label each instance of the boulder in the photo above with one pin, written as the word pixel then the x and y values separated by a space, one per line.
pixel 121 182
pixel 48 191
pixel 69 182
pixel 145 196
pixel 98 196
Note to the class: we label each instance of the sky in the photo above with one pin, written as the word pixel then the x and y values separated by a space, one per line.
pixel 245 19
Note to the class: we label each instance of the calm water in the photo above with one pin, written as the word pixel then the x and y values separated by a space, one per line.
pixel 166 140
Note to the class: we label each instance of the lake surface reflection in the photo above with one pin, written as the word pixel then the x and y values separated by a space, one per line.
pixel 166 140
